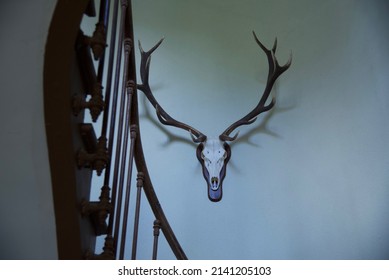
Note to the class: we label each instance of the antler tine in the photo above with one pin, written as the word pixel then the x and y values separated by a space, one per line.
pixel 275 70
pixel 145 61
pixel 162 115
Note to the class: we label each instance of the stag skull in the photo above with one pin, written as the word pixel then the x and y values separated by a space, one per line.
pixel 214 155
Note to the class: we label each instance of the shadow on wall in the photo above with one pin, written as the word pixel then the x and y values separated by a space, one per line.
pixel 322 173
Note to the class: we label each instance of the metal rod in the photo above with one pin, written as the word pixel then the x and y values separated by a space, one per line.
pixel 104 12
pixel 107 172
pixel 117 192
pixel 112 46
pixel 133 132
pixel 156 227
pixel 113 122
pixel 139 185
pixel 104 19
pixel 140 161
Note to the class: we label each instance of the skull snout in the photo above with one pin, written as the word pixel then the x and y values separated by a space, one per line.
pixel 214 183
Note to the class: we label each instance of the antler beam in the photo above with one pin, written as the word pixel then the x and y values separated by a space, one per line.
pixel 275 70
pixel 162 115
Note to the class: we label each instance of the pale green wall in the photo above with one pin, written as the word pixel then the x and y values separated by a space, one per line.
pixel 315 184
pixel 26 204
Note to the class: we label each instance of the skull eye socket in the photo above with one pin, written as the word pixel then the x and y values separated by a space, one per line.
pixel 221 159
pixel 206 160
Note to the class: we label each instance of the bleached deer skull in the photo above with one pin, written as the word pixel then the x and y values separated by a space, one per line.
pixel 214 153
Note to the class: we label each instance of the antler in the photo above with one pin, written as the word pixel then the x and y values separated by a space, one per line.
pixel 163 117
pixel 275 70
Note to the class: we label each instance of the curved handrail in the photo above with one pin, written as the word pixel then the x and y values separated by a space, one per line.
pixel 62 133
pixel 85 219
pixel 140 159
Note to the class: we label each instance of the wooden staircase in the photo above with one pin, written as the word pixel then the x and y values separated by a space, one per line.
pixel 74 87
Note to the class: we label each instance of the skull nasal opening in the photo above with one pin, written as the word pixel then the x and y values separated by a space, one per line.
pixel 214 183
